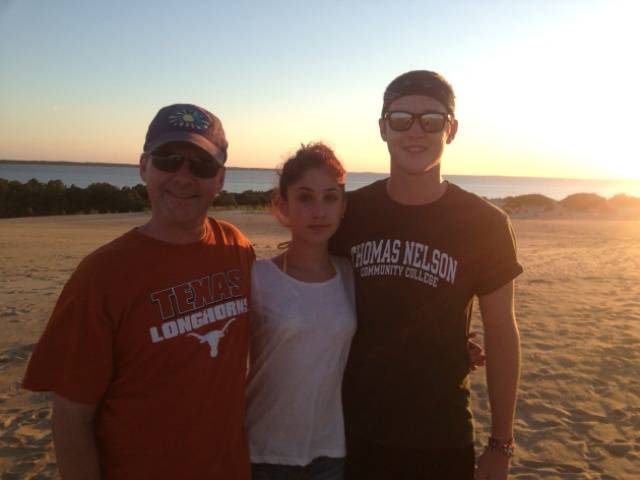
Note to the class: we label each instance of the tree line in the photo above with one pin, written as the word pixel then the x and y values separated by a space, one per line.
pixel 35 198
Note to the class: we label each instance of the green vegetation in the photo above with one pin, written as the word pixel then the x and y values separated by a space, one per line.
pixel 585 202
pixel 515 204
pixel 624 201
pixel 34 198
pixel 537 204
pixel 246 199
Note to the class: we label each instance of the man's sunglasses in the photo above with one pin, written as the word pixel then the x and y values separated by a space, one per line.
pixel 430 122
pixel 171 163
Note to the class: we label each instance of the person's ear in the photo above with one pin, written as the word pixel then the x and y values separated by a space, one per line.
pixel 220 179
pixel 453 130
pixel 283 208
pixel 143 167
pixel 383 129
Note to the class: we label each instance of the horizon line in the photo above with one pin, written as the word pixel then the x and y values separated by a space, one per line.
pixel 107 164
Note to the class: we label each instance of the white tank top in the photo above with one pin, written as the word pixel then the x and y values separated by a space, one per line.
pixel 300 338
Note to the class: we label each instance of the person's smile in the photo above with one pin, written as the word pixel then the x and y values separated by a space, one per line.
pixel 318 228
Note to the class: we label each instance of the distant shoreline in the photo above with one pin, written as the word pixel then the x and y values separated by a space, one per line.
pixel 260 169
pixel 54 198
pixel 97 164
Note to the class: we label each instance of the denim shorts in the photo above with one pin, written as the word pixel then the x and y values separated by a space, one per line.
pixel 321 468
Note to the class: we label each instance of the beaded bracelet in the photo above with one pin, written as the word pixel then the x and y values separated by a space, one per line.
pixel 503 448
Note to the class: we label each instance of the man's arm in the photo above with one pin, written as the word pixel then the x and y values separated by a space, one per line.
pixel 502 345
pixel 74 439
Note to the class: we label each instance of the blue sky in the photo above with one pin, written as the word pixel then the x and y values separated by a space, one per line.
pixel 544 87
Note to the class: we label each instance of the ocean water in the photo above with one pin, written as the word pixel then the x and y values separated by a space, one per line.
pixel 240 180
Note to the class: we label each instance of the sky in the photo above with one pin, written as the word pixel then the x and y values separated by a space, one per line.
pixel 544 88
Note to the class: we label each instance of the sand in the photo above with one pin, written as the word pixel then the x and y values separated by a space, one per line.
pixel 578 309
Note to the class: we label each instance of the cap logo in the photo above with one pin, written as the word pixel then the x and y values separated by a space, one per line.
pixel 190 119
pixel 184 122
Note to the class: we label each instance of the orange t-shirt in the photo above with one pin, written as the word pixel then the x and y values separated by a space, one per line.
pixel 156 334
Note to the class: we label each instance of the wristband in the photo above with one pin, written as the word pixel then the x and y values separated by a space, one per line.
pixel 503 448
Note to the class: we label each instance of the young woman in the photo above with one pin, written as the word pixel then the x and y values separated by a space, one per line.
pixel 303 321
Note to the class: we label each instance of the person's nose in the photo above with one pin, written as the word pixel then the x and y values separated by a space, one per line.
pixel 184 173
pixel 415 128
pixel 318 211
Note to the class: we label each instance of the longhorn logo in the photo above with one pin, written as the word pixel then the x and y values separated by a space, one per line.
pixel 212 338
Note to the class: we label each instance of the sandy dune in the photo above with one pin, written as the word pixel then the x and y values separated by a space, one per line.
pixel 578 308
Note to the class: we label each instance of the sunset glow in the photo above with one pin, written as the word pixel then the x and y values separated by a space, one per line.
pixel 543 88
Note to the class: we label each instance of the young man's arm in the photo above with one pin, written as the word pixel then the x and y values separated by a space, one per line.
pixel 502 345
pixel 74 439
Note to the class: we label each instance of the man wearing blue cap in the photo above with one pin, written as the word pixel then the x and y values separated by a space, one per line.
pixel 423 249
pixel 146 349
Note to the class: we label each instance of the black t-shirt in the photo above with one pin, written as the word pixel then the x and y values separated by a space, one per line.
pixel 417 270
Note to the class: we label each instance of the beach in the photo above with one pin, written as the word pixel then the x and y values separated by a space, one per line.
pixel 577 305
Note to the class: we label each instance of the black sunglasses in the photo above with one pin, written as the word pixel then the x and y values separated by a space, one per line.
pixel 172 162
pixel 430 122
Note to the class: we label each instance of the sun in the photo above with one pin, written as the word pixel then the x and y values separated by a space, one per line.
pixel 629 173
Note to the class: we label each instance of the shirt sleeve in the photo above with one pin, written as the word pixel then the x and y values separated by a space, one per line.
pixel 500 262
pixel 74 356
